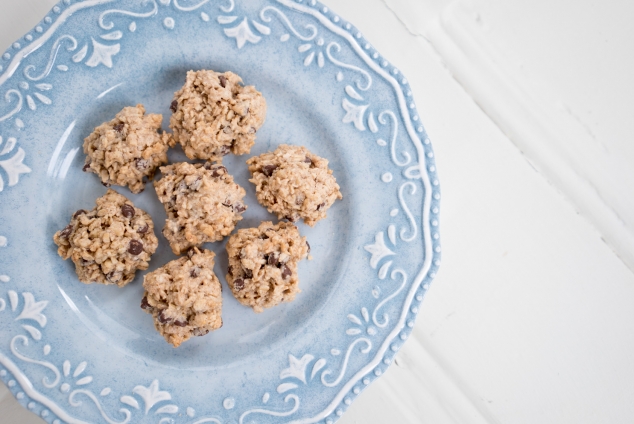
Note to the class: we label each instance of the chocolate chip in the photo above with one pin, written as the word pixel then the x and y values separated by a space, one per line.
pixel 145 304
pixel 180 323
pixel 321 205
pixel 225 150
pixel 135 247
pixel 66 231
pixel 218 171
pixel 199 332
pixel 286 271
pixel 239 208
pixel 238 284
pixel 227 203
pixel 308 245
pixel 105 184
pixel 143 229
pixel 195 272
pixel 86 167
pixel 191 252
pixel 227 130
pixel 119 127
pixel 174 106
pixel 79 212
pixel 292 218
pixel 269 169
pixel 114 276
pixel 248 273
pixel 163 319
pixel 272 258
pixel 308 160
pixel 223 80
pixel 142 164
pixel 252 130
pixel 127 210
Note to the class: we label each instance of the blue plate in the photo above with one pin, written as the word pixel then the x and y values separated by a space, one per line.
pixel 87 353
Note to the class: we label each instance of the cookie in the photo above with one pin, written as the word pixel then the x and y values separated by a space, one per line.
pixel 109 243
pixel 202 202
pixel 184 297
pixel 213 114
pixel 263 264
pixel 293 183
pixel 127 150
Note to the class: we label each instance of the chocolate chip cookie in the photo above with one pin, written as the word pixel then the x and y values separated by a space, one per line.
pixel 127 150
pixel 293 183
pixel 110 242
pixel 263 264
pixel 214 114
pixel 184 297
pixel 202 202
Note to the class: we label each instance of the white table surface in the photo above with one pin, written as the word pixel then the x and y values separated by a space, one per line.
pixel 531 318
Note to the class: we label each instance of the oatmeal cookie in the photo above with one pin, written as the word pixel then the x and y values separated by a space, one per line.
pixel 127 150
pixel 109 243
pixel 263 264
pixel 202 202
pixel 213 114
pixel 184 297
pixel 293 183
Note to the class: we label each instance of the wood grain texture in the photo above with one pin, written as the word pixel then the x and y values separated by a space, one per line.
pixel 565 103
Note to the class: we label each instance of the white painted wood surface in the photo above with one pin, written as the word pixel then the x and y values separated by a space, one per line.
pixel 529 108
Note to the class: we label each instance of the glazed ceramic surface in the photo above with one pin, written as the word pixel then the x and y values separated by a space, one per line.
pixel 87 353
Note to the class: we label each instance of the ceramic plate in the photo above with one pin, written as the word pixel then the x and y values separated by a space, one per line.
pixel 87 353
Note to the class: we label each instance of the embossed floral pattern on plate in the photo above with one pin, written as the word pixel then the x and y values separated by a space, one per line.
pixel 380 249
